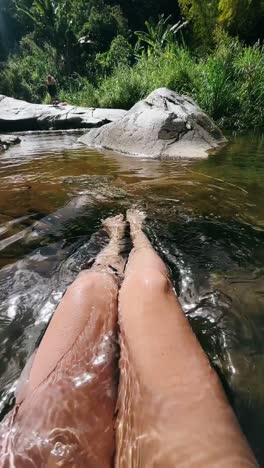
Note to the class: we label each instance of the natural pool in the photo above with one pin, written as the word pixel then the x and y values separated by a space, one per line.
pixel 206 220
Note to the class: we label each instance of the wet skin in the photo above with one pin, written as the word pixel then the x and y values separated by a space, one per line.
pixel 167 417
pixel 204 228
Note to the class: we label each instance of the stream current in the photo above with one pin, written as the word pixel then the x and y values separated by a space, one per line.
pixel 205 219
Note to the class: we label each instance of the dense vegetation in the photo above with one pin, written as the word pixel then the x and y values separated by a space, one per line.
pixel 114 52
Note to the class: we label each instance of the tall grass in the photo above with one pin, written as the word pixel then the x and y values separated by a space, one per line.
pixel 129 84
pixel 228 84
pixel 79 92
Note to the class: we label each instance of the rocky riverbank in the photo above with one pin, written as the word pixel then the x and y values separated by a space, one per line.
pixel 164 125
pixel 16 115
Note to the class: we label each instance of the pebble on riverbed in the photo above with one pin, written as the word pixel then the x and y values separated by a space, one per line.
pixel 8 140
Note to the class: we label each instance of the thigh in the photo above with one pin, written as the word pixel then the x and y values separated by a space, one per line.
pixel 65 411
pixel 172 407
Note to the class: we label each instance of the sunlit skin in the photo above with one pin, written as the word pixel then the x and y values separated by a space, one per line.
pixel 65 406
pixel 172 407
pixel 172 410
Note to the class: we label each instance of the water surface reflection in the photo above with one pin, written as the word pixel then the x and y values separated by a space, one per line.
pixel 205 219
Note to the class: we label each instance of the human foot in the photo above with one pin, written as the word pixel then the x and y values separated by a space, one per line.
pixel 115 226
pixel 136 219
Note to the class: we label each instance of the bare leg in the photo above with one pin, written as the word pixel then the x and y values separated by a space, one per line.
pixel 172 409
pixel 64 414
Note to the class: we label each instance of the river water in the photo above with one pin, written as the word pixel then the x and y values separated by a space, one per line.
pixel 206 220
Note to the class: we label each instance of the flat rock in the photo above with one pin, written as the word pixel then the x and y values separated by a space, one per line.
pixel 164 125
pixel 16 115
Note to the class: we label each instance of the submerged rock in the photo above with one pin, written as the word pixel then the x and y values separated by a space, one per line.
pixel 8 140
pixel 165 124
pixel 16 115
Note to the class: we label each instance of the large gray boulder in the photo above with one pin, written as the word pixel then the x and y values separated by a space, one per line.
pixel 16 115
pixel 165 124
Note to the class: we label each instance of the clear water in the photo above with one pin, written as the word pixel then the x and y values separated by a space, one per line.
pixel 206 220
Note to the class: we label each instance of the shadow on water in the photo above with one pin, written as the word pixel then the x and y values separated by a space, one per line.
pixel 205 220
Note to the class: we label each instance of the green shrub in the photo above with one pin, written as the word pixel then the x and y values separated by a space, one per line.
pixel 249 73
pixel 228 84
pixel 121 90
pixel 214 88
pixel 103 24
pixel 25 73
pixel 79 92
pixel 119 55
pixel 129 84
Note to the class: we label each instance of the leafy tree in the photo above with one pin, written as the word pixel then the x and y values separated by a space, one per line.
pixel 119 55
pixel 138 11
pixel 202 15
pixel 157 35
pixel 62 23
pixel 23 76
pixel 10 30
pixel 244 18
pixel 104 23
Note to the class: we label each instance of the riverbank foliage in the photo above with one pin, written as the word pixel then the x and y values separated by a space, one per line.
pixel 112 53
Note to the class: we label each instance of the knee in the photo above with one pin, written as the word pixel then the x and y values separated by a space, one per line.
pixel 93 282
pixel 153 281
